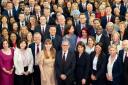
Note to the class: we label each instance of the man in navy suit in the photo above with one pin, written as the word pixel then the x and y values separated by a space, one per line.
pixel 108 18
pixel 61 25
pixel 119 5
pixel 82 6
pixel 56 39
pixel 83 24
pixel 42 28
pixel 36 47
pixel 16 9
pixel 65 65
pixel 9 10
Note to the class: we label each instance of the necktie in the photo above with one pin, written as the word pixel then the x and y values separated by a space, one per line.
pixel 126 57
pixel 63 59
pixel 37 50
pixel 42 30
pixel 62 30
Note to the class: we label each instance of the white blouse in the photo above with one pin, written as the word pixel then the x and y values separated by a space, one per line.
pixel 95 60
pixel 89 50
pixel 110 65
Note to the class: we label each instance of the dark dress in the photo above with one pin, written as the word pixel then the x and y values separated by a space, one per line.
pixel 6 61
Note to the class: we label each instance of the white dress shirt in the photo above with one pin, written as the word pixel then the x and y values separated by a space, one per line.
pixel 36 54
pixel 110 65
pixel 98 37
pixel 66 53
pixel 95 60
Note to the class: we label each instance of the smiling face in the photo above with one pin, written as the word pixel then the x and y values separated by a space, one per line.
pixel 23 45
pixel 5 44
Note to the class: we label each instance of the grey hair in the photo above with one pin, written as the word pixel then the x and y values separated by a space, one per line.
pixel 65 40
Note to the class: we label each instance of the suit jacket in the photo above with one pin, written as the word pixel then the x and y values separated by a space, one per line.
pixel 32 46
pixel 66 12
pixel 104 21
pixel 101 66
pixel 82 66
pixel 105 41
pixel 117 71
pixel 122 9
pixel 59 32
pixel 16 13
pixel 9 27
pixel 18 63
pixel 90 29
pixel 69 66
pixel 81 7
pixel 46 32
pixel 56 41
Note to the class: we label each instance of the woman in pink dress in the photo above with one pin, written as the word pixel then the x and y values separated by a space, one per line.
pixel 6 64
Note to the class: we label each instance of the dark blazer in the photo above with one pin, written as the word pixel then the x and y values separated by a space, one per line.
pixel 101 68
pixel 81 7
pixel 104 21
pixel 82 67
pixel 46 32
pixel 9 27
pixel 66 12
pixel 68 68
pixel 105 41
pixel 16 13
pixel 56 41
pixel 59 32
pixel 90 29
pixel 122 9
pixel 125 68
pixel 117 71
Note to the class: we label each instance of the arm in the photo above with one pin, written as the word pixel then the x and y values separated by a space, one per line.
pixel 30 67
pixel 41 63
pixel 18 65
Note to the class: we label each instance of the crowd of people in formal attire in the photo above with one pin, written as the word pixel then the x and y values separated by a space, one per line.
pixel 63 42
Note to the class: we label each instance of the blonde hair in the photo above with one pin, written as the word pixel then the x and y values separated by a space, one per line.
pixel 112 46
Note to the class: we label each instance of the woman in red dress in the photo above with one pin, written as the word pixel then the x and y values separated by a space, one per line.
pixel 6 64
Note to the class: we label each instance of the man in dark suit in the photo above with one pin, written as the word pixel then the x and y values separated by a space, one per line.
pixel 22 21
pixel 61 25
pixel 123 55
pixel 83 24
pixel 65 65
pixel 119 5
pixel 49 19
pixel 16 9
pixel 56 39
pixel 82 6
pixel 36 47
pixel 100 37
pixel 27 14
pixel 9 10
pixel 42 28
pixel 37 12
pixel 108 18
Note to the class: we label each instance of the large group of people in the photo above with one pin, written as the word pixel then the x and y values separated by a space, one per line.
pixel 63 42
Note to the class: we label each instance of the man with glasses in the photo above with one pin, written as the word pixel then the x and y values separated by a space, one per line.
pixel 65 65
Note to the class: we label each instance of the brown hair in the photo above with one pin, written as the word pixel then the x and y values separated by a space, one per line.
pixel 52 50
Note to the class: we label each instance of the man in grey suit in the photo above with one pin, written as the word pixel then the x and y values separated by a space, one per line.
pixel 65 65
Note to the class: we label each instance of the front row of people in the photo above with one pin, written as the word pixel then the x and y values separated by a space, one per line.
pixel 63 67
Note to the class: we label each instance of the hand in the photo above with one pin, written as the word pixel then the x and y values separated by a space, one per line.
pixel 6 71
pixel 63 76
pixel 93 77
pixel 108 77
pixel 25 73
pixel 83 81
